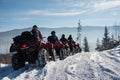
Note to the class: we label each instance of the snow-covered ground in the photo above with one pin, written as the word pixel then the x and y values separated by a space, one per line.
pixel 82 66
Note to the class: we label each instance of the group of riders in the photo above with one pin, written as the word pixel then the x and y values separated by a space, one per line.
pixel 30 47
pixel 53 38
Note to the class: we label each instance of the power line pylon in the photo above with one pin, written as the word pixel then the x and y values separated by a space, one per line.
pixel 79 28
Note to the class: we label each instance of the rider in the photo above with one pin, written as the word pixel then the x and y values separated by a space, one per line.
pixel 63 39
pixel 53 38
pixel 36 33
pixel 71 42
pixel 70 39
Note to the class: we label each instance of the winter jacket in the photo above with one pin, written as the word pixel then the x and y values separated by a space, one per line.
pixel 52 39
pixel 70 40
pixel 37 34
pixel 64 40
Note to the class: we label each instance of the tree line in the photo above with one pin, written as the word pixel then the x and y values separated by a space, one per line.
pixel 107 42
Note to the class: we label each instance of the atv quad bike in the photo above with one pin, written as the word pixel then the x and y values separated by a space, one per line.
pixel 52 52
pixel 28 49
pixel 59 47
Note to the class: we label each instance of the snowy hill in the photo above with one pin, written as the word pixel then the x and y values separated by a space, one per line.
pixel 82 66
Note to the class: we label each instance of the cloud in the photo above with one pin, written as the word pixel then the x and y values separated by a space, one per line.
pixel 98 21
pixel 78 4
pixel 73 3
pixel 106 5
pixel 6 20
pixel 114 14
pixel 47 13
pixel 23 19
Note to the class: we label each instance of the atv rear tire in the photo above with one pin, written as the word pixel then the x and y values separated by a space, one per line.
pixel 62 54
pixel 54 56
pixel 43 57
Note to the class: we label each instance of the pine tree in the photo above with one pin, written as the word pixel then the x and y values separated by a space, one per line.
pixel 86 46
pixel 112 42
pixel 106 40
pixel 98 48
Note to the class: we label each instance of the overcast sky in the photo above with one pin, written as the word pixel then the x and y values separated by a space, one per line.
pixel 15 14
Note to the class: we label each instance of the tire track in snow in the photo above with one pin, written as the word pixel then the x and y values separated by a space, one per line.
pixel 113 55
pixel 4 71
pixel 107 64
pixel 101 66
pixel 11 74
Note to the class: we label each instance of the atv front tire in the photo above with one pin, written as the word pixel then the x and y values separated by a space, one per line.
pixel 17 61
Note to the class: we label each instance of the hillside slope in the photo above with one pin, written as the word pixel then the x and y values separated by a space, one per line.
pixel 82 66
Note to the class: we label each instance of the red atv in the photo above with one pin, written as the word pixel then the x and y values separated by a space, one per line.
pixel 74 48
pixel 59 48
pixel 28 49
pixel 77 48
pixel 67 50
pixel 51 51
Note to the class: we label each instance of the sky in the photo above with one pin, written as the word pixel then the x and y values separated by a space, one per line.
pixel 16 14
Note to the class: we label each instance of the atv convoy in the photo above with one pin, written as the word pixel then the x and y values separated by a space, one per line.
pixel 29 49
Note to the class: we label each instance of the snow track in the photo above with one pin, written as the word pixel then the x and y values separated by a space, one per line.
pixel 81 66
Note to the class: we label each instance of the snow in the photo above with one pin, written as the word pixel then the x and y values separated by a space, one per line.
pixel 81 66
pixel 2 65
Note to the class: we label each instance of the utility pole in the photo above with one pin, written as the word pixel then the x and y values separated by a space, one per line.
pixel 79 28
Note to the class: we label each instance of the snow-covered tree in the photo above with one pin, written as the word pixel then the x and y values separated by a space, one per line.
pixel 98 44
pixel 112 43
pixel 86 46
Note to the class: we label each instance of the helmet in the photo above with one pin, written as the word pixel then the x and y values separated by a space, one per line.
pixel 35 27
pixel 63 35
pixel 70 35
pixel 52 32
